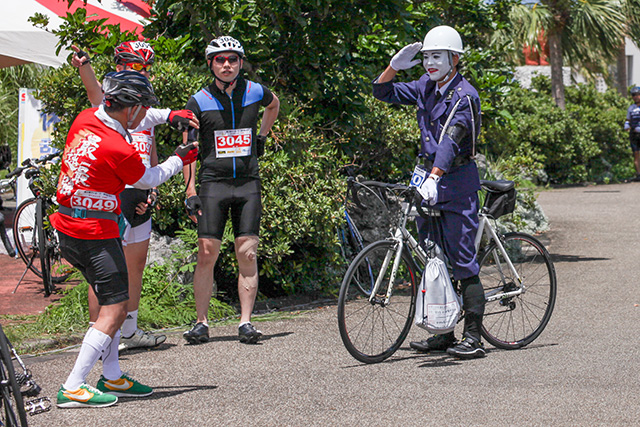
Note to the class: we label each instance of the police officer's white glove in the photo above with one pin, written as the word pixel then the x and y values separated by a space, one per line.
pixel 431 188
pixel 637 129
pixel 403 60
pixel 627 126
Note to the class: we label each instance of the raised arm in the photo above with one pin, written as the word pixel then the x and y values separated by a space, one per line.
pixel 81 60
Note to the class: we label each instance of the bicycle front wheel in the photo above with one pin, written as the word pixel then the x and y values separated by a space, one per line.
pixel 372 329
pixel 12 412
pixel 516 314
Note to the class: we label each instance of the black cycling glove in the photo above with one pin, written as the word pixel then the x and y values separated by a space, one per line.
pixel 194 205
pixel 260 141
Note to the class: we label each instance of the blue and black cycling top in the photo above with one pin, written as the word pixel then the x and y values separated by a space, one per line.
pixel 217 110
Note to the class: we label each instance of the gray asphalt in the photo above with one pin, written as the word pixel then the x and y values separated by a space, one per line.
pixel 582 371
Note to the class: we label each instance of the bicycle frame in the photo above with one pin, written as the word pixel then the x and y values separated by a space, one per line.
pixel 403 238
pixel 485 227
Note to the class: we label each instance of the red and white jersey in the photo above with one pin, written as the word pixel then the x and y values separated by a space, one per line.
pixel 96 165
pixel 142 143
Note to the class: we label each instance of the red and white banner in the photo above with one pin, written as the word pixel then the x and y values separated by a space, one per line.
pixel 130 14
pixel 22 43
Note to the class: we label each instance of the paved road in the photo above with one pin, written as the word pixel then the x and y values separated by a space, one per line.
pixel 582 371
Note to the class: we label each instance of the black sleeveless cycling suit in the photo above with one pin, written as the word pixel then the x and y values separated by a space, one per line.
pixel 229 174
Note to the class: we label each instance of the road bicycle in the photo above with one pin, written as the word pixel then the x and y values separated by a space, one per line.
pixel 17 388
pixel 377 300
pixel 368 216
pixel 6 186
pixel 34 237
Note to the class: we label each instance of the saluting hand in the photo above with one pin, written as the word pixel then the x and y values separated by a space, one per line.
pixel 403 60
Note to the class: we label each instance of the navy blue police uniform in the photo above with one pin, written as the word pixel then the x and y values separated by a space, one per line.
pixel 458 187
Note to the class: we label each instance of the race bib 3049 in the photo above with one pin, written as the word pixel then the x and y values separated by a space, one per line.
pixel 94 201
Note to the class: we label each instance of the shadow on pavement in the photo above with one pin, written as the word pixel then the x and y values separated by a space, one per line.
pixel 164 392
pixel 235 338
pixel 575 258
pixel 162 347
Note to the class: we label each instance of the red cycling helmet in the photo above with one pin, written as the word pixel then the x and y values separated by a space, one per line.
pixel 131 52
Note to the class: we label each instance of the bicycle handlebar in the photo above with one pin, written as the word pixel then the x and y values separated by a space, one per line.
pixel 32 163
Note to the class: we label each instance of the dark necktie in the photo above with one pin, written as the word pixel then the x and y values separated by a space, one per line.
pixel 438 96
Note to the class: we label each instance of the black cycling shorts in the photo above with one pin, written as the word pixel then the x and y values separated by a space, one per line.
pixel 634 141
pixel 240 197
pixel 102 263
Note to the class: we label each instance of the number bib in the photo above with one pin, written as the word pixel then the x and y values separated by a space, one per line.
pixel 233 142
pixel 94 201
pixel 418 180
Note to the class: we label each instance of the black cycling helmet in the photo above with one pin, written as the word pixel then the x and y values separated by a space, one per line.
pixel 128 88
pixel 635 90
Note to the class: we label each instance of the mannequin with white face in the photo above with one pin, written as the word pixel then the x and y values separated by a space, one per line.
pixel 440 65
pixel 436 64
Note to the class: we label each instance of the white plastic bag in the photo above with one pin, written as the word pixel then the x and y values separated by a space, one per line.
pixel 437 304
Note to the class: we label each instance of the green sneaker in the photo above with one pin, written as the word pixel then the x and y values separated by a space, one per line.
pixel 85 396
pixel 125 386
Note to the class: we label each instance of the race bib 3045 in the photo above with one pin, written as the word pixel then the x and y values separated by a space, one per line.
pixel 233 142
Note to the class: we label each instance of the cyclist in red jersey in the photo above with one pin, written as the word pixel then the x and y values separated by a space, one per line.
pixel 97 163
pixel 135 203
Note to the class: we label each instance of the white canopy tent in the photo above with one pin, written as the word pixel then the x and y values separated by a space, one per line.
pixel 21 42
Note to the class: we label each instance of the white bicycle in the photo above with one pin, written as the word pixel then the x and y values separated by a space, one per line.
pixel 376 305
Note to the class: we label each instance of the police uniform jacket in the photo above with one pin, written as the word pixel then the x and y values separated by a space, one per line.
pixel 459 105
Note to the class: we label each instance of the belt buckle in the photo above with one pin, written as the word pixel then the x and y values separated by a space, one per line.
pixel 79 213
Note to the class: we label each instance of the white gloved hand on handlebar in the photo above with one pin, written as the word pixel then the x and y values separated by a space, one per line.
pixel 403 60
pixel 430 187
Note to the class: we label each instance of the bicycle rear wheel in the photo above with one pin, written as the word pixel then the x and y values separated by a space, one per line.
pixel 12 412
pixel 372 330
pixel 26 239
pixel 25 234
pixel 44 249
pixel 512 322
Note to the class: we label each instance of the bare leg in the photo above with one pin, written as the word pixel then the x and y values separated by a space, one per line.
pixel 246 253
pixel 208 251
pixel 94 307
pixel 636 161
pixel 136 257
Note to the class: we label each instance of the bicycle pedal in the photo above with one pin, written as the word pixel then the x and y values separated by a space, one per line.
pixel 33 390
pixel 37 406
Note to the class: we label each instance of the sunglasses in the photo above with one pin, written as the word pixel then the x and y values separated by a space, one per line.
pixel 139 67
pixel 222 59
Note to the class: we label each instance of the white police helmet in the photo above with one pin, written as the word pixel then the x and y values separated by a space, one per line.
pixel 443 38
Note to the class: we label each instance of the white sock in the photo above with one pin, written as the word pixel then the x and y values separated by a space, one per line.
pixel 130 324
pixel 110 363
pixel 93 344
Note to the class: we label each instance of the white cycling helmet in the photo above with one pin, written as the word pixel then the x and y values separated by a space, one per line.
pixel 224 44
pixel 443 38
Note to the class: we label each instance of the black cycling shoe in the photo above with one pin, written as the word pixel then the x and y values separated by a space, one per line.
pixel 468 348
pixel 249 334
pixel 435 343
pixel 198 334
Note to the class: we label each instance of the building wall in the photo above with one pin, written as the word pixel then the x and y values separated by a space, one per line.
pixel 633 63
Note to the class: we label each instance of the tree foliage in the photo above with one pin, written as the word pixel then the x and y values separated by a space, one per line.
pixel 319 57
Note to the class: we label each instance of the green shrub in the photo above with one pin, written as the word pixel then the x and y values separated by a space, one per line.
pixel 585 142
